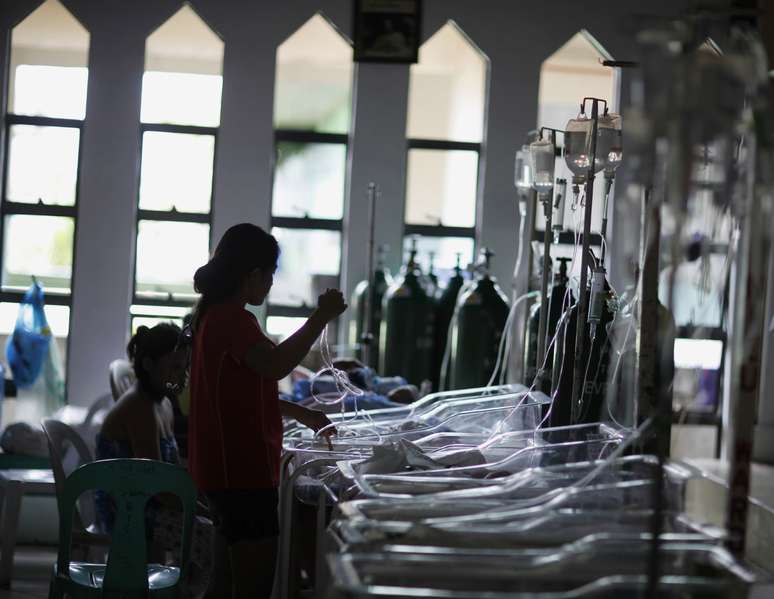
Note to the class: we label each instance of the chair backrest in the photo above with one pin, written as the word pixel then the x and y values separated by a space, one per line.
pixel 102 404
pixel 132 483
pixel 61 438
pixel 121 377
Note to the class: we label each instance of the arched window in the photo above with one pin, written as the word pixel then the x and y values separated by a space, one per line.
pixel 46 107
pixel 571 73
pixel 180 114
pixel 446 107
pixel 312 108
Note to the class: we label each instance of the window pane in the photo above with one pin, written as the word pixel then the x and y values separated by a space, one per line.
pixel 699 285
pixel 150 316
pixel 283 327
pixel 445 250
pixel 48 66
pixel 40 246
pixel 309 180
pixel 309 262
pixel 447 89
pixel 170 312
pixel 32 91
pixel 441 187
pixel 176 172
pixel 181 98
pixel 313 85
pixel 58 318
pixel 42 164
pixel 183 67
pixel 168 254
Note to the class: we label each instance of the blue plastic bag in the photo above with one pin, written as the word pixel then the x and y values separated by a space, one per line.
pixel 28 347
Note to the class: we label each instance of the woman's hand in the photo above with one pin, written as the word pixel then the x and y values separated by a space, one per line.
pixel 331 304
pixel 317 421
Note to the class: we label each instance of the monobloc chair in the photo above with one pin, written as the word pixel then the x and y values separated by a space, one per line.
pixel 62 438
pixel 132 483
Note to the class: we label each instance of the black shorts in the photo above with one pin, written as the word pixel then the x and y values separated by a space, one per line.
pixel 245 514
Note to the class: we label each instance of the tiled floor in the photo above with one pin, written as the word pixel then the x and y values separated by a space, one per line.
pixel 33 565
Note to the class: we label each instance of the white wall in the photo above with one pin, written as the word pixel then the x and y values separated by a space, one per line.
pixel 515 36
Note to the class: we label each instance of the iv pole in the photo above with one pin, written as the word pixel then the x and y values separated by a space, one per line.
pixel 547 202
pixel 367 338
pixel 583 300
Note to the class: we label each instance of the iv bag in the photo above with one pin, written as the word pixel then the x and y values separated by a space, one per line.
pixel 523 171
pixel 610 143
pixel 577 144
pixel 541 160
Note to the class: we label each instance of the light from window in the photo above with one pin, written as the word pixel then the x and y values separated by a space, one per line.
pixel 444 249
pixel 58 318
pixel 33 97
pixel 447 89
pixel 168 254
pixel 698 293
pixel 183 73
pixel 171 312
pixel 309 262
pixel 313 85
pixel 282 327
pixel 309 180
pixel 181 98
pixel 48 66
pixel 42 165
pixel 705 354
pixel 40 246
pixel 176 172
pixel 441 188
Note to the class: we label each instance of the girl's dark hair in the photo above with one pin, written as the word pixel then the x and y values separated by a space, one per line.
pixel 151 343
pixel 242 249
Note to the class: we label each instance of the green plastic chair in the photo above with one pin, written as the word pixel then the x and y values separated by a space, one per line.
pixel 126 575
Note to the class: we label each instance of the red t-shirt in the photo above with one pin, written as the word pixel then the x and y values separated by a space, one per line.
pixel 235 426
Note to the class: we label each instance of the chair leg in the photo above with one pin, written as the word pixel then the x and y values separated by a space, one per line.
pixel 9 525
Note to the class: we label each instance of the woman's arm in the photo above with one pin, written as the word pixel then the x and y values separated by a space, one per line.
pixel 276 362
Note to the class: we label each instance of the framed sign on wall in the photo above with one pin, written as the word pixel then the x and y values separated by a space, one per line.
pixel 387 30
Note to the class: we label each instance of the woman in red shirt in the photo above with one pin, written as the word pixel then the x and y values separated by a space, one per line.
pixel 235 424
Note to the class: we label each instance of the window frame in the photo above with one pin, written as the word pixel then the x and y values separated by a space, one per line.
pixel 440 230
pixel 9 208
pixel 173 216
pixel 304 223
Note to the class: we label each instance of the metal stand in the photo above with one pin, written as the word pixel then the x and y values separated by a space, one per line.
pixel 367 337
pixel 544 315
pixel 583 300
pixel 748 328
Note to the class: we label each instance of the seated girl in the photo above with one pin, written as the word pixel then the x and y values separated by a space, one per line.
pixel 141 425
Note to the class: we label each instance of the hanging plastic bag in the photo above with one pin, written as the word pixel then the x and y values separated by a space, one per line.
pixel 28 346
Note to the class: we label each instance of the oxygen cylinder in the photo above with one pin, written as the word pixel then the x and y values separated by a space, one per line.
pixel 556 293
pixel 431 280
pixel 357 329
pixel 443 315
pixel 481 312
pixel 406 338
